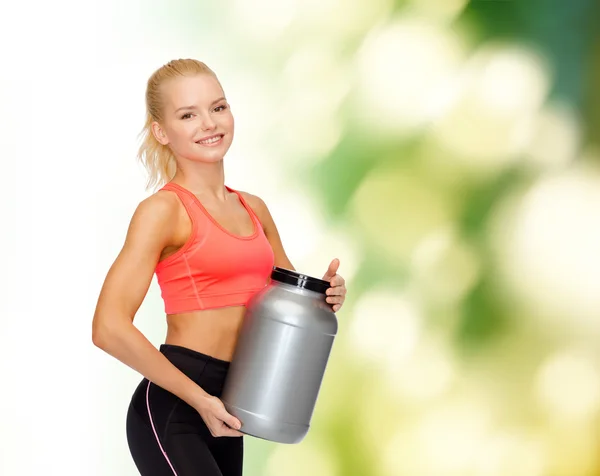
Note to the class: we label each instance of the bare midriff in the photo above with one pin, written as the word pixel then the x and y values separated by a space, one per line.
pixel 212 332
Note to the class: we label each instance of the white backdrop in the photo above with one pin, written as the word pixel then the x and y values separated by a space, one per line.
pixel 71 99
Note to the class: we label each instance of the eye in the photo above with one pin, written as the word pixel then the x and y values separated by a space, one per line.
pixel 220 108
pixel 187 115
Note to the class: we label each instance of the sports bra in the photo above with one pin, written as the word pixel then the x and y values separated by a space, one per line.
pixel 214 268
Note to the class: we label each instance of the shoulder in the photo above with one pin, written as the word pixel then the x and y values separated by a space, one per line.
pixel 158 209
pixel 254 201
pixel 259 207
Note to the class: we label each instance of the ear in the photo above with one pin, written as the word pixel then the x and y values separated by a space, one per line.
pixel 159 133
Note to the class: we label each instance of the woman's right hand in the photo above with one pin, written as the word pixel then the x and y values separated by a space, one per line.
pixel 217 419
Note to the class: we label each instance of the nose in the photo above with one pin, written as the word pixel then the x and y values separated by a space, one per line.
pixel 207 123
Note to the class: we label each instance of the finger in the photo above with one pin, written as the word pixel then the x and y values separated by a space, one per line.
pixel 335 299
pixel 231 421
pixel 219 428
pixel 333 267
pixel 225 417
pixel 337 280
pixel 336 291
pixel 229 432
pixel 337 307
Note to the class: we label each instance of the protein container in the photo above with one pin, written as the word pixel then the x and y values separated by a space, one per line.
pixel 279 362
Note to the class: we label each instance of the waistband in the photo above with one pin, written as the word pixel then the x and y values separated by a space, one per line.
pixel 170 349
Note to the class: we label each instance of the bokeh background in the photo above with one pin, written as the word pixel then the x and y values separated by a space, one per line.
pixel 446 151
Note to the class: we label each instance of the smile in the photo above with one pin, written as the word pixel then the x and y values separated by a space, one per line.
pixel 211 141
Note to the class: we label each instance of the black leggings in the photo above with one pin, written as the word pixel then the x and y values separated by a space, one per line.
pixel 167 437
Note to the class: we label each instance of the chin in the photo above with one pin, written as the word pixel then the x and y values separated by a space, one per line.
pixel 208 158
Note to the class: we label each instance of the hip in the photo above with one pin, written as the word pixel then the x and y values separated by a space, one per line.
pixel 206 371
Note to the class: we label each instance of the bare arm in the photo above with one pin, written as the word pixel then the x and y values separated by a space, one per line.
pixel 122 293
pixel 336 294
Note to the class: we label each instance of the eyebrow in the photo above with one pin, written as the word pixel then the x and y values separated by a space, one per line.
pixel 183 108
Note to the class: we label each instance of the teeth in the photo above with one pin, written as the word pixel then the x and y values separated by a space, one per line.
pixel 210 141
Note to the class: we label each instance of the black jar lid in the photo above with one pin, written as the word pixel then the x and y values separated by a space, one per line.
pixel 288 276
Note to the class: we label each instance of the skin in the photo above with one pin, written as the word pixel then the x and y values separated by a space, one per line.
pixel 160 226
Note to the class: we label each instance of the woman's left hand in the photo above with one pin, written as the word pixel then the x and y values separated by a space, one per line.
pixel 336 294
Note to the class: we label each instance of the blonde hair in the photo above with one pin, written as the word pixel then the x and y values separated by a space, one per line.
pixel 158 159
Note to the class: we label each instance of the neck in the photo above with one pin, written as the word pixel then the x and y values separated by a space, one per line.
pixel 203 179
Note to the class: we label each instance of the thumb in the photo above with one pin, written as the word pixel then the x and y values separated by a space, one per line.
pixel 232 421
pixel 333 267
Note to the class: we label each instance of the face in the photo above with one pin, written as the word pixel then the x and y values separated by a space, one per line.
pixel 197 123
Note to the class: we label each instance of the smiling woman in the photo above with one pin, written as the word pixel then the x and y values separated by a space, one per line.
pixel 177 96
pixel 212 249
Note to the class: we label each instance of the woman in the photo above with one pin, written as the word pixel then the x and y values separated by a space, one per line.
pixel 211 248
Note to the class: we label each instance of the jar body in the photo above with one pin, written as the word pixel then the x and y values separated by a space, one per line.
pixel 279 362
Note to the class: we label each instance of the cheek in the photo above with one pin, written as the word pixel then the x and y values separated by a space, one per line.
pixel 227 121
pixel 184 131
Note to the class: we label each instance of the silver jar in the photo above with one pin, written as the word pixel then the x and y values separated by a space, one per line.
pixel 280 358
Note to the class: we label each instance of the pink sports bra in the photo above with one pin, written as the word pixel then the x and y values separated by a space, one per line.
pixel 214 268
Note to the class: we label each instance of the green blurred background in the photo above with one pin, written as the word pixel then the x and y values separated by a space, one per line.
pixel 447 152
